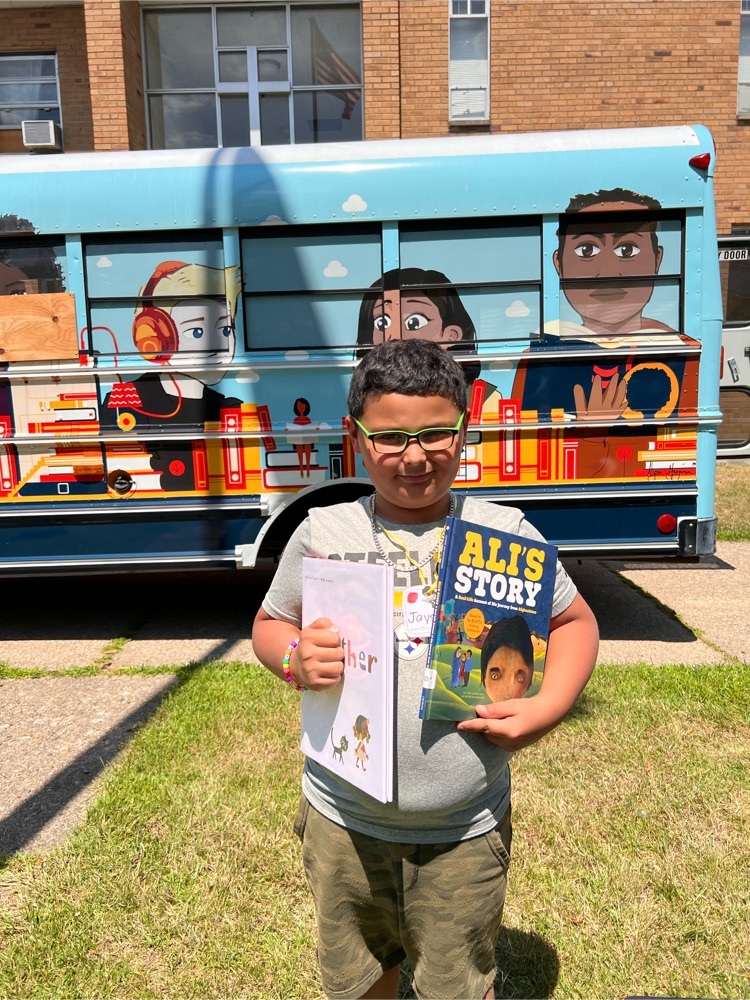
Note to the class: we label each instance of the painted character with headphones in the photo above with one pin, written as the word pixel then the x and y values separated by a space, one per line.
pixel 185 325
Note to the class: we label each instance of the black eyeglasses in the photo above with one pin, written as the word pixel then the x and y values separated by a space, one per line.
pixel 395 442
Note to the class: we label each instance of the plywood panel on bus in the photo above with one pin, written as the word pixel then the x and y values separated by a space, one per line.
pixel 38 327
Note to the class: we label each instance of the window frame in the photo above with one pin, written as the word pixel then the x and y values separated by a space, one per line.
pixel 54 108
pixel 453 17
pixel 743 109
pixel 253 89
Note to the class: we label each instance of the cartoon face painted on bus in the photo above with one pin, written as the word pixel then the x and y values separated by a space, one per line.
pixel 185 319
pixel 595 249
pixel 13 280
pixel 412 302
pixel 607 267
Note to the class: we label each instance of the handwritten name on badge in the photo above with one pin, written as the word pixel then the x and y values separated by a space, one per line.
pixel 418 613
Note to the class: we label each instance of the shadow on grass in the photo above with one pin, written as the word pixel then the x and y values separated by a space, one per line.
pixel 19 827
pixel 528 968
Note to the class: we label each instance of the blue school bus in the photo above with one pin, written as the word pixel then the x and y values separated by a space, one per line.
pixel 178 330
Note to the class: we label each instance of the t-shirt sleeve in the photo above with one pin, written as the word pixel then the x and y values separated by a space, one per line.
pixel 284 597
pixel 565 589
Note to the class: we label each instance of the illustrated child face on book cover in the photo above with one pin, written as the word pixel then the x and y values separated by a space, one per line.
pixel 508 659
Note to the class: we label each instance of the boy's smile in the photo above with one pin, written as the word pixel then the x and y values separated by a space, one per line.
pixel 412 488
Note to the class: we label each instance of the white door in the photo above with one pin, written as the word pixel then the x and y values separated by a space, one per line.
pixel 734 264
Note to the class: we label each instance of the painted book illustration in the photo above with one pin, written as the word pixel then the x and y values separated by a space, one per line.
pixel 491 625
pixel 349 728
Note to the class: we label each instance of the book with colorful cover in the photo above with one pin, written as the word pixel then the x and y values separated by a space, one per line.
pixel 349 728
pixel 492 616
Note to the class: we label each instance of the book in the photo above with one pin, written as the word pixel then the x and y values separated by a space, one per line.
pixel 491 624
pixel 349 728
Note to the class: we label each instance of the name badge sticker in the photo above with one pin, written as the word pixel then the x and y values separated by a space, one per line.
pixel 418 613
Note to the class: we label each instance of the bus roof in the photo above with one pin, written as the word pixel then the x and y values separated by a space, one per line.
pixel 373 181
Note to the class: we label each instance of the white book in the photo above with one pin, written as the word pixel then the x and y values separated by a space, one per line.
pixel 349 728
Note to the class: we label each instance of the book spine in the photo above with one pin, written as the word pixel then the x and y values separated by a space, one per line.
pixel 429 674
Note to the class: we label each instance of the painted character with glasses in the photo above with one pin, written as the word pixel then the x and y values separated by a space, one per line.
pixel 381 873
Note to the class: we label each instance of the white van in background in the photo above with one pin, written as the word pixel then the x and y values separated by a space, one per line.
pixel 734 265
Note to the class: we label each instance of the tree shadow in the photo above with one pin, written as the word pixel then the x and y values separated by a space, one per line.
pixel 19 828
pixel 528 968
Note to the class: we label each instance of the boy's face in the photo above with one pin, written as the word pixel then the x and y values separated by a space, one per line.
pixel 404 315
pixel 592 249
pixel 508 675
pixel 412 487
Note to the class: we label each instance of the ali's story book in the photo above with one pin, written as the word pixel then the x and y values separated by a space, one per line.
pixel 491 624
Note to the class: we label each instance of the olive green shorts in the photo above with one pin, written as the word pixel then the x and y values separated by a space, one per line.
pixel 377 902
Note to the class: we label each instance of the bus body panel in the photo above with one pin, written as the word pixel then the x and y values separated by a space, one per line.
pixel 175 377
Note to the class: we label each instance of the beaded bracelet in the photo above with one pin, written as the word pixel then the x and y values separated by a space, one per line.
pixel 285 665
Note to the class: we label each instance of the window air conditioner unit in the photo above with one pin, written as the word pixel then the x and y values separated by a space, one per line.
pixel 42 136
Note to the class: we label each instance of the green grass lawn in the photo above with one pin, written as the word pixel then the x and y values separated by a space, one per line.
pixel 629 876
pixel 733 500
pixel 630 852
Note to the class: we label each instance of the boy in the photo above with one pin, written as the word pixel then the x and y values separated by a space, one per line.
pixel 423 876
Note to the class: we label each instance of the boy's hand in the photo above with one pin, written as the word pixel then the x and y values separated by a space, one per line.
pixel 318 661
pixel 513 724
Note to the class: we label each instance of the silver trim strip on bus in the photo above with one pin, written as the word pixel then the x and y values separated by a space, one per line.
pixel 18 373
pixel 108 507
pixel 334 432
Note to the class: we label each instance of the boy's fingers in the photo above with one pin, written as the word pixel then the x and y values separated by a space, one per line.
pixel 322 633
pixel 498 709
pixel 321 623
pixel 320 673
pixel 323 654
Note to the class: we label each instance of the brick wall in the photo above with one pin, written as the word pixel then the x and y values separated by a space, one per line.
pixel 61 30
pixel 115 71
pixel 133 59
pixel 569 64
pixel 575 64
pixel 424 62
pixel 381 68
pixel 555 64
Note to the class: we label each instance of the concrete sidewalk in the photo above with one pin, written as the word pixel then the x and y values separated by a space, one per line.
pixel 57 734
pixel 709 599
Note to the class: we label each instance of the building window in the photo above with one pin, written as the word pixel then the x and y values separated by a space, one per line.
pixel 743 71
pixel 253 76
pixel 28 90
pixel 468 75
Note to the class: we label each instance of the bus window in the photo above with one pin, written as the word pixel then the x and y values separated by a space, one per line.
pixel 303 285
pixel 38 321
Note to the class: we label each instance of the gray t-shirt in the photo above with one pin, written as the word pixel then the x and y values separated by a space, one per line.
pixel 449 785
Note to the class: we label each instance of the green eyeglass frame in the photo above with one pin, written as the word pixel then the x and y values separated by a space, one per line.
pixel 397 441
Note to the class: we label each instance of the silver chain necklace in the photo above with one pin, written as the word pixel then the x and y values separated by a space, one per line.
pixel 379 547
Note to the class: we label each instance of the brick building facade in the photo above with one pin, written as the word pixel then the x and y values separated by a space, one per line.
pixel 556 64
